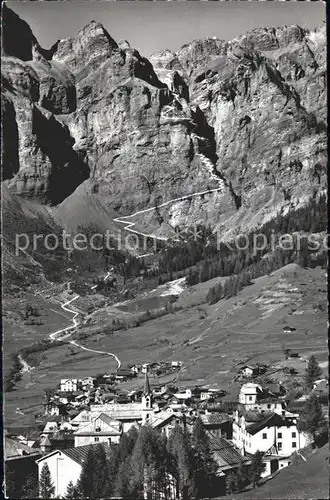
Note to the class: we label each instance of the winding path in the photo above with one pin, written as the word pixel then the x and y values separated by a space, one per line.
pixel 129 225
pixel 53 336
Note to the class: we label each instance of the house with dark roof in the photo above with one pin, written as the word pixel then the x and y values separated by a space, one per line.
pixel 102 429
pixel 289 329
pixel 272 431
pixel 249 370
pixel 225 454
pixel 65 466
pixel 218 423
pixel 19 463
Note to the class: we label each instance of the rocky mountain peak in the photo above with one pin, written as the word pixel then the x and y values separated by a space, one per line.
pixel 91 46
pixel 265 39
pixel 17 37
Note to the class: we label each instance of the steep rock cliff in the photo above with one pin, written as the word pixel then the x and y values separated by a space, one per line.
pixel 232 131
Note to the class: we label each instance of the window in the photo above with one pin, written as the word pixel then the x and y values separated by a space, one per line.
pixel 98 429
pixel 294 444
pixel 264 435
pixel 250 398
pixel 96 440
pixel 293 434
pixel 279 446
pixel 269 405
pixel 279 435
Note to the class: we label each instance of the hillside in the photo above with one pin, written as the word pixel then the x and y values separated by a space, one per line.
pixel 303 480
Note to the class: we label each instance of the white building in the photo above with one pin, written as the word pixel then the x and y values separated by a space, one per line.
pixel 87 383
pixel 206 394
pixel 275 434
pixel 249 394
pixel 271 404
pixel 50 428
pixel 101 429
pixel 69 384
pixel 64 466
pixel 183 395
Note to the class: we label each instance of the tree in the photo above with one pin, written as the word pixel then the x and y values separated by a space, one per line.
pixel 46 486
pixel 72 492
pixel 180 462
pixel 148 463
pixel 242 477
pixel 10 483
pixel 257 467
pixel 94 475
pixel 232 483
pixel 30 487
pixel 312 420
pixel 205 466
pixel 313 371
pixel 122 484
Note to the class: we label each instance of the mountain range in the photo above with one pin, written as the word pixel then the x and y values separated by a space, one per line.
pixel 227 134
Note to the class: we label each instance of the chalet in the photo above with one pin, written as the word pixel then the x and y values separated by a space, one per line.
pixel 289 329
pixel 165 421
pixel 69 384
pixel 218 423
pixel 102 429
pixel 271 404
pixel 55 408
pixel 82 418
pixel 134 368
pixel 81 399
pixel 50 428
pixel 205 394
pixel 124 374
pixel 159 391
pixel 225 453
pixel 176 364
pixel 249 394
pixel 227 457
pixel 249 370
pixel 65 466
pixel 183 395
pixel 86 383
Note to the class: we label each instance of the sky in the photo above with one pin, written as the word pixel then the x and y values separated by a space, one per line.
pixel 154 26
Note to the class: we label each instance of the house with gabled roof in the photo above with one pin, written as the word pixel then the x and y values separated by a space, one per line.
pixel 225 454
pixel 218 423
pixel 102 429
pixel 19 460
pixel 165 421
pixel 65 466
pixel 278 432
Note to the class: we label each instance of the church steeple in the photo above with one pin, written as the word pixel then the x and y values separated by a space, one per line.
pixel 146 387
pixel 146 398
